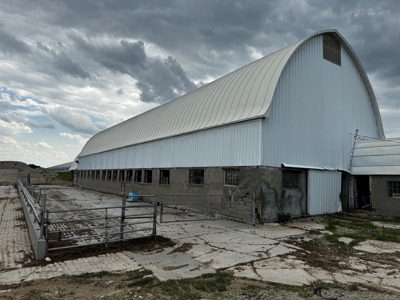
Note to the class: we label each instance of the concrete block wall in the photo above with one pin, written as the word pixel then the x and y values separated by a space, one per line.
pixel 381 202
pixel 265 182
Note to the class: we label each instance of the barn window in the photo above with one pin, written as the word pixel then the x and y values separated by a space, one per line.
pixel 97 174
pixel 109 175
pixel 122 175
pixel 138 175
pixel 290 179
pixel 232 177
pixel 394 189
pixel 196 176
pixel 103 175
pixel 332 49
pixel 129 174
pixel 148 176
pixel 89 173
pixel 164 176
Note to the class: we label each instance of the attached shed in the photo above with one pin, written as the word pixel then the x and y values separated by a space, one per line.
pixel 376 168
pixel 282 127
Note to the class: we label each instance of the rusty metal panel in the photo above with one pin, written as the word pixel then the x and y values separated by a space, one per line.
pixel 234 145
pixel 324 189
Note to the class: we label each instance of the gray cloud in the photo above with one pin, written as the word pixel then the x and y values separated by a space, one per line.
pixel 64 63
pixel 11 117
pixel 159 80
pixel 9 44
pixel 120 92
pixel 5 104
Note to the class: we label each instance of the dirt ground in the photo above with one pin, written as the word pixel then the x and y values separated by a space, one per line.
pixel 321 244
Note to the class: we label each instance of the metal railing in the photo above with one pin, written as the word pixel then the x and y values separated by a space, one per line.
pixel 92 226
pixel 237 207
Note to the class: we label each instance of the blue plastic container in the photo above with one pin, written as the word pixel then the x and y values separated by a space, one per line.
pixel 133 196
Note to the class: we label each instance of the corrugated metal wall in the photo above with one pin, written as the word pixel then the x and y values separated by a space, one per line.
pixel 323 191
pixel 316 109
pixel 234 145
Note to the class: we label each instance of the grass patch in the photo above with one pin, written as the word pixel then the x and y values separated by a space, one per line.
pixel 190 288
pixel 353 287
pixel 360 231
pixel 332 223
pixel 65 176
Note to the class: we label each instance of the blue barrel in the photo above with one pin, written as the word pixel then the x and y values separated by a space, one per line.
pixel 133 196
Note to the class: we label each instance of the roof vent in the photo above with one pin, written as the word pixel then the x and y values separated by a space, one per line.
pixel 332 49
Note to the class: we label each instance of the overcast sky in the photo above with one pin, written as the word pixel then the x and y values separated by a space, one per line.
pixel 69 69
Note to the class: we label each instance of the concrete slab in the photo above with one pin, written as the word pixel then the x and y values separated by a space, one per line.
pixel 116 262
pixel 373 246
pixel 166 265
pixel 345 240
pixel 274 232
pixel 306 226
pixel 386 225
pixel 245 272
pixel 223 259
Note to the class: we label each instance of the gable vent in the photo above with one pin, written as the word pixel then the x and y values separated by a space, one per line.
pixel 332 49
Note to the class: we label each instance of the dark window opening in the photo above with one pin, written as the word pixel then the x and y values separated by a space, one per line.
pixel 129 174
pixel 394 188
pixel 138 176
pixel 290 179
pixel 332 49
pixel 164 176
pixel 196 176
pixel 148 176
pixel 97 174
pixel 232 177
pixel 122 175
pixel 109 175
pixel 103 175
pixel 114 175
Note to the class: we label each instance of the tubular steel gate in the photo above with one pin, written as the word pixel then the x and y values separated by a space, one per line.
pixel 213 206
pixel 102 225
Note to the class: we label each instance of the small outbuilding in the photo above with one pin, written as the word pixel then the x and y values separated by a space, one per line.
pixel 283 127
pixel 376 170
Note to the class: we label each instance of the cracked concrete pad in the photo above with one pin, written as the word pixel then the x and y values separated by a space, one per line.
pixel 279 250
pixel 244 272
pixel 345 240
pixel 166 265
pixel 199 250
pixel 386 225
pixel 274 232
pixel 288 271
pixel 115 262
pixel 307 226
pixel 373 246
pixel 320 274
pixel 222 259
pixel 348 278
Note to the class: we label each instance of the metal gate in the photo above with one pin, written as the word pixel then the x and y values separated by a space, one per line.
pixel 102 225
pixel 202 207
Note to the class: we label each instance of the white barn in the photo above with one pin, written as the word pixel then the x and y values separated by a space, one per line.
pixel 282 126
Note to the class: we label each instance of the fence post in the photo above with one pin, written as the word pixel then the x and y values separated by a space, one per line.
pixel 121 231
pixel 106 226
pixel 155 217
pixel 40 194
pixel 43 221
pixel 253 208
pixel 161 210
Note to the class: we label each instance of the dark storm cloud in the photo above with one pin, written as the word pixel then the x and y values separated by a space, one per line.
pixel 9 44
pixel 64 63
pixel 159 80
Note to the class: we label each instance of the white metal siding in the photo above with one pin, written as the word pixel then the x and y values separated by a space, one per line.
pixel 235 145
pixel 316 109
pixel 323 191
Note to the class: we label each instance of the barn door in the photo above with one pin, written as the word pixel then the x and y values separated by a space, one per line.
pixel 324 189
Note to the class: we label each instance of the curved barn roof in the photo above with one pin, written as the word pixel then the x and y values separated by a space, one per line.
pixel 242 95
